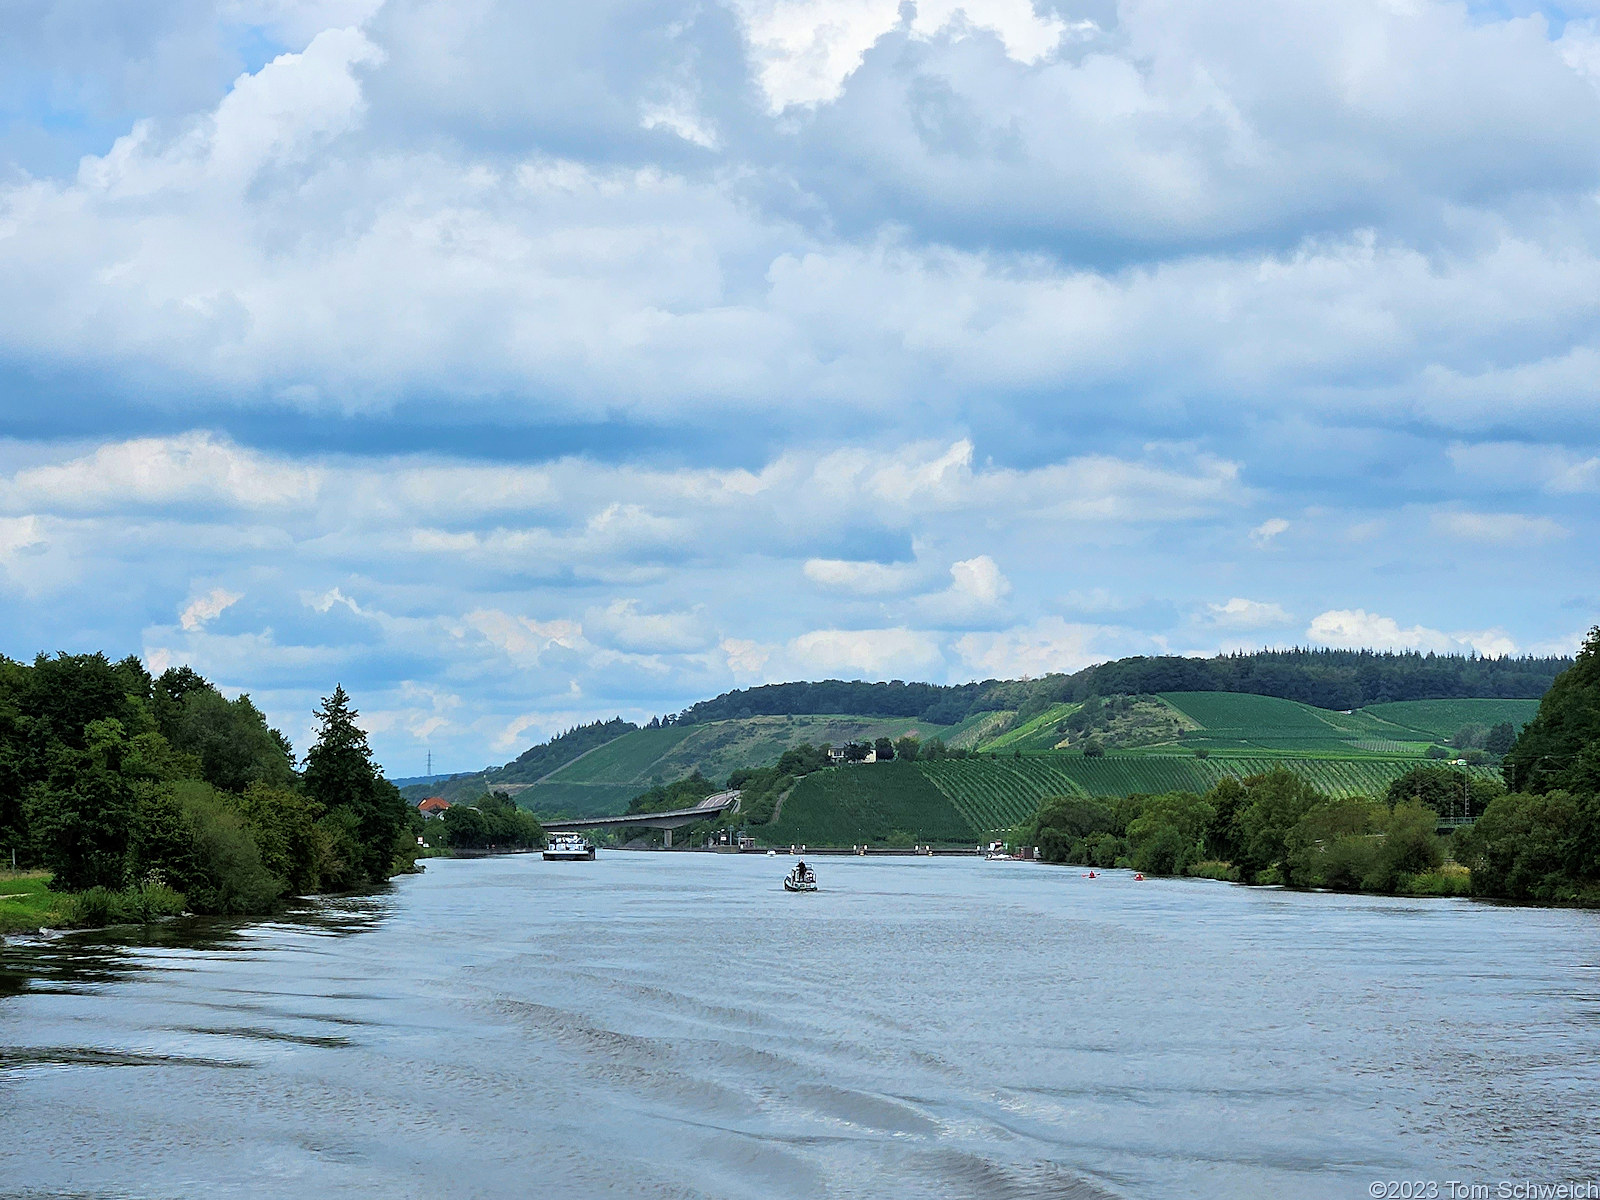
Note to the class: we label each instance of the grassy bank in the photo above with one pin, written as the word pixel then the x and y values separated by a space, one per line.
pixel 28 904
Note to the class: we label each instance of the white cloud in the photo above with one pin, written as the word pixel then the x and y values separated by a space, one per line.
pixel 18 534
pixel 804 50
pixel 204 609
pixel 1048 645
pixel 623 625
pixel 522 639
pixel 979 581
pixel 861 578
pixel 977 587
pixel 1241 614
pixel 746 658
pixel 1357 629
pixel 1498 528
pixel 866 653
pixel 1267 532
pixel 191 468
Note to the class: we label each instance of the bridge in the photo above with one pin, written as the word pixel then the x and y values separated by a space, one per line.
pixel 718 805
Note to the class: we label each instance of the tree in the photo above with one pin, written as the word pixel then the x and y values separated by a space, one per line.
pixel 1549 752
pixel 365 814
pixel 883 749
pixel 83 813
pixel 906 748
pixel 1500 738
pixel 1275 803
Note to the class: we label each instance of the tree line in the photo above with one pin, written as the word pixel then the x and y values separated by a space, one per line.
pixel 154 794
pixel 1536 837
pixel 1332 679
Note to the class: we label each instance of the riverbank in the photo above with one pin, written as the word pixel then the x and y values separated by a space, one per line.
pixel 28 904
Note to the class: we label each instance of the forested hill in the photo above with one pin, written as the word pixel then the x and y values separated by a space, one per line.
pixel 1332 679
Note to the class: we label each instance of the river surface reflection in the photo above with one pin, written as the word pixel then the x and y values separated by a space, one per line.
pixel 676 1025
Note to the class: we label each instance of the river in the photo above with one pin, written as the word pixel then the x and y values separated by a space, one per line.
pixel 675 1025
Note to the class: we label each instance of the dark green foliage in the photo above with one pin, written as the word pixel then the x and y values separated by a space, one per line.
pixel 492 822
pixel 1448 792
pixel 129 785
pixel 82 813
pixel 684 793
pixel 1500 738
pixel 1169 833
pixel 368 817
pixel 229 739
pixel 883 749
pixel 906 748
pixel 1535 847
pixel 1560 748
pixel 1067 829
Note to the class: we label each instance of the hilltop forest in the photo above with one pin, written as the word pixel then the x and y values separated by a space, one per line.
pixel 1332 679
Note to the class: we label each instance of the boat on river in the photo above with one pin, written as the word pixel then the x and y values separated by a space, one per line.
pixel 801 879
pixel 997 852
pixel 568 847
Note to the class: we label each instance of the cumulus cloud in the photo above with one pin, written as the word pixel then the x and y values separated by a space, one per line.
pixel 1355 629
pixel 1048 645
pixel 1241 614
pixel 1265 533
pixel 866 653
pixel 204 609
pixel 556 345
pixel 191 468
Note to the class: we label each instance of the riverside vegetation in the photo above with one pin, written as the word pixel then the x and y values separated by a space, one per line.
pixel 1533 837
pixel 126 796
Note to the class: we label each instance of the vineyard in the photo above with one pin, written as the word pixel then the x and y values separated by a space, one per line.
pixel 865 803
pixel 995 794
pixel 1439 719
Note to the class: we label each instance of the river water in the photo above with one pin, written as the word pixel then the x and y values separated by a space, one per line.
pixel 675 1025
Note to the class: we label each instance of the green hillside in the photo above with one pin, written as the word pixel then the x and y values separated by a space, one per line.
pixel 604 780
pixel 1440 719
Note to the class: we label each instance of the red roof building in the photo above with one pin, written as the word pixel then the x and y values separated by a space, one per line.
pixel 433 806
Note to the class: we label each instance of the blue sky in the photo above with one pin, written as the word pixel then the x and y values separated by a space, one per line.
pixel 522 364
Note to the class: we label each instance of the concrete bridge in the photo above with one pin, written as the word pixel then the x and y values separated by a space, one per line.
pixel 718 805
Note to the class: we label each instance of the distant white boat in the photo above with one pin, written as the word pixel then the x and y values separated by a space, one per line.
pixel 997 853
pixel 568 847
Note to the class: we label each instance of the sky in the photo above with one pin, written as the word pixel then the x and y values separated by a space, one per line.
pixel 518 364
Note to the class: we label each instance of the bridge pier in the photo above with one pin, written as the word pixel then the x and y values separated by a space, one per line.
pixel 667 837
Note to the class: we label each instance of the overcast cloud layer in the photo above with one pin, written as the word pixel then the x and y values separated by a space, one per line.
pixel 520 364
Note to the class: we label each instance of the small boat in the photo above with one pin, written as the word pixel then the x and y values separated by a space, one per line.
pixel 772 854
pixel 1138 875
pixel 801 879
pixel 997 853
pixel 568 847
pixel 1091 875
